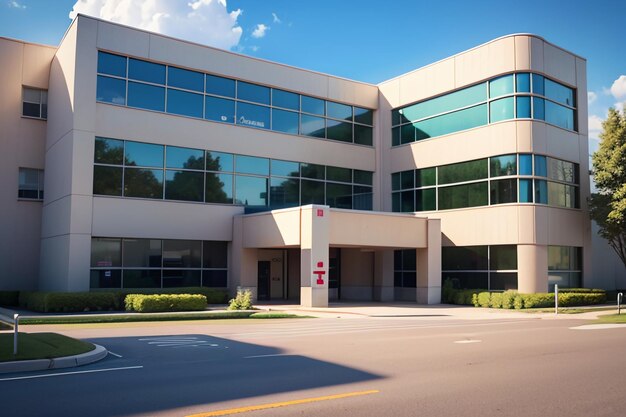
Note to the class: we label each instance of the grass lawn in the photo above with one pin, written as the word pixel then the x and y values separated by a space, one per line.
pixel 40 346
pixel 565 310
pixel 128 318
pixel 613 318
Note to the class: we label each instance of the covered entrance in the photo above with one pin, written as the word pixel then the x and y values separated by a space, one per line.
pixel 315 254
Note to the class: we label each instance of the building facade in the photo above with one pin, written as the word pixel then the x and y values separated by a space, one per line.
pixel 168 164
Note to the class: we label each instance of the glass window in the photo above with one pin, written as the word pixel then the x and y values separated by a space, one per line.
pixel 501 109
pixel 541 169
pixel 523 107
pixel 111 64
pixel 142 278
pixel 219 109
pixel 395 136
pixel 214 254
pixel 502 281
pixel 525 164
pixel 285 99
pixel 365 116
pixel 182 253
pixel 215 278
pixel 146 96
pixel 312 192
pixel 109 151
pixel 466 195
pixel 362 198
pixel 143 154
pixel 185 158
pixel 503 191
pixel 253 92
pixel 363 177
pixel 30 184
pixel 395 181
pixel 284 192
pixel 253 116
pixel 468 280
pixel 250 191
pixel 502 257
pixel 312 105
pixel 108 278
pixel 464 171
pixel 468 258
pixel 407 201
pixel 143 183
pixel 407 179
pixel 220 86
pixel 395 203
pixel 146 71
pixel 252 165
pixel 562 170
pixel 285 168
pixel 184 185
pixel 339 130
pixel 445 103
pixel 425 177
pixel 426 200
pixel 525 191
pixel 339 195
pixel 559 115
pixel 312 171
pixel 559 93
pixel 338 111
pixel 539 108
pixel 537 84
pixel 312 126
pixel 503 165
pixel 106 252
pixel 363 135
pixel 219 161
pixel 111 90
pixel 501 86
pixel 218 188
pixel 522 82
pixel 338 174
pixel 181 278
pixel 451 122
pixel 184 103
pixel 541 192
pixel 182 78
pixel 285 121
pixel 107 180
pixel 408 134
pixel 142 253
pixel 562 195
pixel 564 258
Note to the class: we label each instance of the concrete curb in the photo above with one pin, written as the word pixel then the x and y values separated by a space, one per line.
pixel 56 363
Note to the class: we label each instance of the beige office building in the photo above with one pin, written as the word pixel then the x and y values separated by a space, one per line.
pixel 168 163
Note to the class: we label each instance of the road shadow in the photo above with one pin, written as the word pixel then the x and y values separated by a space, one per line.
pixel 178 371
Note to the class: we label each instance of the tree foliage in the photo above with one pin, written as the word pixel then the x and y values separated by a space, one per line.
pixel 608 206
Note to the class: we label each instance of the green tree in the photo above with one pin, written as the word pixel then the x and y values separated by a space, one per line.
pixel 608 206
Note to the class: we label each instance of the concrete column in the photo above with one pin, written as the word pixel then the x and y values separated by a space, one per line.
pixel 314 236
pixel 429 266
pixel 243 263
pixel 532 268
pixel 383 275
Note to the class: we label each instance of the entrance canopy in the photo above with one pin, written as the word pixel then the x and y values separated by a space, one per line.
pixel 315 228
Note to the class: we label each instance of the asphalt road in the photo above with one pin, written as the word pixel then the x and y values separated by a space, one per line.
pixel 412 366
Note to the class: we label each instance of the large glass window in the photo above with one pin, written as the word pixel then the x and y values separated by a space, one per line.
pixel 467 195
pixel 220 86
pixel 184 103
pixel 143 183
pixel 480 267
pixel 312 126
pixel 405 268
pixel 146 96
pixel 184 158
pixel 184 185
pixel 34 103
pixel 464 171
pixel 219 188
pixel 182 78
pixel 253 116
pixel 339 130
pixel 143 154
pixel 146 71
pixel 564 267
pixel 250 191
pixel 30 184
pixel 285 99
pixel 111 90
pixel 111 64
pixel 253 92
pixel 285 121
pixel 219 109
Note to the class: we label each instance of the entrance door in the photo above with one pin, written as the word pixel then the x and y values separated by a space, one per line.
pixel 264 280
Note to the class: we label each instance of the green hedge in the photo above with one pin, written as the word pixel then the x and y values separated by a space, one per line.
pixel 512 299
pixel 68 302
pixel 165 302
pixel 213 296
pixel 9 298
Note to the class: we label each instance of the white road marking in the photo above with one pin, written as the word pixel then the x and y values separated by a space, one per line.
pixel 71 373
pixel 598 326
pixel 115 354
pixel 176 342
pixel 266 356
pixel 468 341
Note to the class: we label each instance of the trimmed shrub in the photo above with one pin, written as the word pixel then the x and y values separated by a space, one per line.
pixel 67 302
pixel 213 295
pixel 540 300
pixel 581 290
pixel 9 298
pixel 483 299
pixel 242 301
pixel 580 299
pixel 496 300
pixel 518 301
pixel 508 299
pixel 142 303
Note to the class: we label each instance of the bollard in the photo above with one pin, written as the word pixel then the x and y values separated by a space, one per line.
pixel 556 299
pixel 16 319
pixel 620 296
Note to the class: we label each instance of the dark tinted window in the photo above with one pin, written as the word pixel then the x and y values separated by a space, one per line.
pixel 111 90
pixel 312 105
pixel 184 185
pixel 285 99
pixel 109 151
pixel 341 131
pixel 184 103
pixel 312 126
pixel 144 154
pixel 144 183
pixel 182 78
pixel 220 86
pixel 218 188
pixel 285 121
pixel 219 109
pixel 253 116
pixel 146 71
pixel 364 116
pixel 185 158
pixel 250 191
pixel 107 180
pixel 146 96
pixel 253 92
pixel 338 111
pixel 252 165
pixel 111 64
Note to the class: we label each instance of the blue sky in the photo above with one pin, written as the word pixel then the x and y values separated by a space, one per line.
pixel 364 40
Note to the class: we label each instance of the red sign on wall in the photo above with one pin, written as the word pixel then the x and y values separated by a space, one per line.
pixel 320 213
pixel 320 273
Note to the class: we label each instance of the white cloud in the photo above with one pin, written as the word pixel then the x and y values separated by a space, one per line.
pixel 275 18
pixel 204 21
pixel 595 126
pixel 618 89
pixel 259 30
pixel 591 97
pixel 16 5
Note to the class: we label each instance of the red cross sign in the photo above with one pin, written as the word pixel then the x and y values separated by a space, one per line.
pixel 320 273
